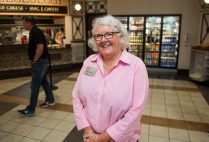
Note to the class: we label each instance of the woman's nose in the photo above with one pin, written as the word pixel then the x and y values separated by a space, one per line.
pixel 104 38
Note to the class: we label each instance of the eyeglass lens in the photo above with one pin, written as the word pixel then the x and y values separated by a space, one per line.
pixel 107 35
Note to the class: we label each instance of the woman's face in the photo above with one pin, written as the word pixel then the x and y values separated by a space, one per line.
pixel 109 43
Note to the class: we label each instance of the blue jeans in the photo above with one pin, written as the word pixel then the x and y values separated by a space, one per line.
pixel 39 79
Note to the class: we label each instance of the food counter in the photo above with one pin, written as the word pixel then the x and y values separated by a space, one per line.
pixel 199 67
pixel 14 59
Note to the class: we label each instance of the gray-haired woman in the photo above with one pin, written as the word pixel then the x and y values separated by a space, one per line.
pixel 112 87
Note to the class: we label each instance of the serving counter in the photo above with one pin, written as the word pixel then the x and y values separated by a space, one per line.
pixel 199 67
pixel 14 59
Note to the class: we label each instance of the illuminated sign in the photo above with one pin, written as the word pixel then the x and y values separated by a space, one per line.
pixel 45 7
pixel 33 9
pixel 35 2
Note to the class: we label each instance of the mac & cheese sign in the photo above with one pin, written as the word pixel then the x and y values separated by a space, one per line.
pixel 34 7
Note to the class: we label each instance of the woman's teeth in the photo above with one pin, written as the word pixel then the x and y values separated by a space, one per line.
pixel 105 45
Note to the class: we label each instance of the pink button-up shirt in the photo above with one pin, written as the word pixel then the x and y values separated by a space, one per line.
pixel 112 102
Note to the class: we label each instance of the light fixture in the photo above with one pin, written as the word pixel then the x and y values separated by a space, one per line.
pixel 206 1
pixel 77 7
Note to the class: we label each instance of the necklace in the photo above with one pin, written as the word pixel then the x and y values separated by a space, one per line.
pixel 106 68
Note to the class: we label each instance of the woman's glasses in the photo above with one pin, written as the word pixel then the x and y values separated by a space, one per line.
pixel 107 35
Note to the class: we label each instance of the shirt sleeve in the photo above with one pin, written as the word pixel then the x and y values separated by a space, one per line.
pixel 78 107
pixel 39 37
pixel 130 123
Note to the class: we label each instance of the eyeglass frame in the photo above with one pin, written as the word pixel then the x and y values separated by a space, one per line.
pixel 104 35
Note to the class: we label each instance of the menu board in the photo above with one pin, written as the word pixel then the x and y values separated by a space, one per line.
pixel 55 7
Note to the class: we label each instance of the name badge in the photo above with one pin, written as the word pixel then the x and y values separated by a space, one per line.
pixel 90 71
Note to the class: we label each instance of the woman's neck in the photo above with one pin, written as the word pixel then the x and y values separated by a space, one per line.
pixel 110 62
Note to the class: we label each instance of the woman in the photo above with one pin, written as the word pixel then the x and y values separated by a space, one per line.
pixel 112 87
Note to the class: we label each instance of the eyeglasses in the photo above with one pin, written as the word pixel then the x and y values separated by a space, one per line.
pixel 107 35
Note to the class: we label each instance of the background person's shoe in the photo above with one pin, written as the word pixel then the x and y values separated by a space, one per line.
pixel 26 112
pixel 46 104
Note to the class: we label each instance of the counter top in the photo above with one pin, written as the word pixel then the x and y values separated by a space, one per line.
pixel 14 58
pixel 201 47
pixel 23 47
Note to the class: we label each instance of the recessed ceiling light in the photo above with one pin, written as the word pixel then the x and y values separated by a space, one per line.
pixel 77 7
pixel 206 1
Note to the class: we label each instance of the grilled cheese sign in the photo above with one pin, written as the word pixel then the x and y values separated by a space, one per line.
pixel 45 7
pixel 36 2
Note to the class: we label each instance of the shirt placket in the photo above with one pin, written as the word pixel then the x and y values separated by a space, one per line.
pixel 99 104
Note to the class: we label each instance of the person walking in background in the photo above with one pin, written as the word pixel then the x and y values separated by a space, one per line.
pixel 112 87
pixel 38 55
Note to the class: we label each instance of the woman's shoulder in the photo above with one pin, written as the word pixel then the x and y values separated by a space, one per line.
pixel 133 57
pixel 135 61
pixel 91 57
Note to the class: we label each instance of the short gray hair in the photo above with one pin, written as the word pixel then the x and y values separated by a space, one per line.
pixel 116 24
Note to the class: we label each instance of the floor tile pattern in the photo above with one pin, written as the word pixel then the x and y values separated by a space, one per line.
pixel 176 111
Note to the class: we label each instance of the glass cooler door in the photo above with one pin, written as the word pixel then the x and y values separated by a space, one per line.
pixel 152 44
pixel 136 32
pixel 170 37
pixel 123 20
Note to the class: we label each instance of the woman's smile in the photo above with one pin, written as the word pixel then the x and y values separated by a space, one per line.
pixel 105 44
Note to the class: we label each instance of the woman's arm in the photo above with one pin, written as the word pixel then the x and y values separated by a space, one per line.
pixel 130 122
pixel 78 106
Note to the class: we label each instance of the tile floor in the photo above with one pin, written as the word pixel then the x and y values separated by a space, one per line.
pixel 176 112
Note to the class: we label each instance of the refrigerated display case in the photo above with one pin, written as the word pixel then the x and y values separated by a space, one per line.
pixel 135 26
pixel 124 21
pixel 170 37
pixel 199 65
pixel 136 32
pixel 154 38
pixel 152 42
